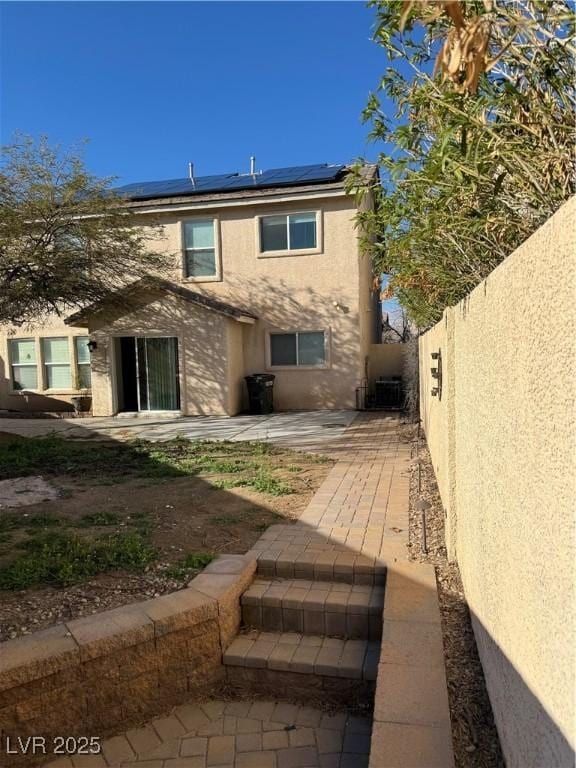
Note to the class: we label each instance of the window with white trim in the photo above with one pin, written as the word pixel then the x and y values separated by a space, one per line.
pixel 84 371
pixel 57 368
pixel 199 249
pixel 299 348
pixel 58 365
pixel 289 232
pixel 23 361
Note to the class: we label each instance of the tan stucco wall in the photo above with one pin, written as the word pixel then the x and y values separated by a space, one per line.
pixel 437 414
pixel 386 360
pixel 503 444
pixel 237 398
pixel 368 300
pixel 295 292
pixel 209 383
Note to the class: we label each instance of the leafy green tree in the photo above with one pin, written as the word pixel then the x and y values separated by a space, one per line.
pixel 65 239
pixel 479 144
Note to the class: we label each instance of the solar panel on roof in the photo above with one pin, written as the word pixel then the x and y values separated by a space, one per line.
pixel 281 176
pixel 319 173
pixel 232 181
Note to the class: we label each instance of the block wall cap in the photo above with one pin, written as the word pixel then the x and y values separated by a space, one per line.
pixel 179 610
pixel 103 633
pixel 231 564
pixel 31 657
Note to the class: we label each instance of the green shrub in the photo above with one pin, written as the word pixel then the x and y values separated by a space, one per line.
pixel 98 519
pixel 193 561
pixel 264 482
pixel 10 521
pixel 59 559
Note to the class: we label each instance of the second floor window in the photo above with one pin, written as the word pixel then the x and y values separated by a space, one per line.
pixel 291 232
pixel 200 253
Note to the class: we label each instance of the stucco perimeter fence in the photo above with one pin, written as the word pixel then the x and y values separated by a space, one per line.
pixel 501 433
pixel 105 672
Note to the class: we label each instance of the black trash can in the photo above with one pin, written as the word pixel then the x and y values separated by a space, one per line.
pixel 260 392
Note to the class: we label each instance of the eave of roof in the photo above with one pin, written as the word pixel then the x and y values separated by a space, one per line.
pixel 81 317
pixel 240 197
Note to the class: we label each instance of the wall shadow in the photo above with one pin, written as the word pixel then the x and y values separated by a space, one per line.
pixel 216 352
pixel 29 402
pixel 282 306
pixel 533 740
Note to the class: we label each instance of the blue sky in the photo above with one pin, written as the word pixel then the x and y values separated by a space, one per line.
pixel 154 85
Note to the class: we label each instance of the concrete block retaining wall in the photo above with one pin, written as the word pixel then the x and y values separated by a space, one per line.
pixel 105 672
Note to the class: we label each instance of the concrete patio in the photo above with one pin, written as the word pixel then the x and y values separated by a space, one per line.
pixel 302 430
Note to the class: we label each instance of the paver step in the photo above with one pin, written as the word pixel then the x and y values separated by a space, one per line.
pixel 298 551
pixel 314 608
pixel 305 654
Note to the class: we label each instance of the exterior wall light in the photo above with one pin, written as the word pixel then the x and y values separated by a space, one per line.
pixel 92 345
pixel 436 372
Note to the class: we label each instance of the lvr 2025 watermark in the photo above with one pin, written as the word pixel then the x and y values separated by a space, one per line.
pixel 54 745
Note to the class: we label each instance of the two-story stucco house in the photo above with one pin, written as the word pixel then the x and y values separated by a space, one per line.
pixel 268 277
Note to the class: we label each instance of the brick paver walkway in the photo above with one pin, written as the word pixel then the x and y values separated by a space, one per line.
pixel 243 734
pixel 359 514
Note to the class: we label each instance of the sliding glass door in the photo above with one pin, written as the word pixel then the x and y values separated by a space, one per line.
pixel 157 373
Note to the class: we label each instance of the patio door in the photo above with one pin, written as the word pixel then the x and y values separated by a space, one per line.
pixel 157 373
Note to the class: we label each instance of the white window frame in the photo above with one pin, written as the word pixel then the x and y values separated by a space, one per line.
pixel 12 364
pixel 327 345
pixel 289 251
pixel 217 250
pixel 77 365
pixel 41 377
pixel 46 365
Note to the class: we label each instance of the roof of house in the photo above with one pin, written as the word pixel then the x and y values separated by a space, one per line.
pixel 300 175
pixel 152 284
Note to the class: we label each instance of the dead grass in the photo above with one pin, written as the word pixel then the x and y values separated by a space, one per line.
pixel 135 520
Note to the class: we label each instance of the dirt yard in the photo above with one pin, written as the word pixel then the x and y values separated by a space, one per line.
pixel 134 520
pixel 474 735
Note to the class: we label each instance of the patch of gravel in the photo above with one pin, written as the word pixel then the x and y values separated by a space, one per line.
pixel 474 735
pixel 32 610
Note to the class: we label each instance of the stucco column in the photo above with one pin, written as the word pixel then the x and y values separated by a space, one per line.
pixel 103 375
